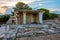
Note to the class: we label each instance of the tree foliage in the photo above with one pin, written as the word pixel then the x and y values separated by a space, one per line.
pixel 4 18
pixel 21 5
pixel 53 15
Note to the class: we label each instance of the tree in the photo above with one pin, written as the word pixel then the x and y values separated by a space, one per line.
pixel 53 15
pixel 21 5
pixel 4 18
pixel 12 13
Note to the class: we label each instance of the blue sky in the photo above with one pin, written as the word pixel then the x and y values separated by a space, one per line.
pixel 46 3
pixel 35 4
pixel 52 4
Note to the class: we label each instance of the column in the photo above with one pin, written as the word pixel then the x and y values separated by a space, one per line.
pixel 31 18
pixel 15 14
pixel 24 17
pixel 41 18
pixel 16 18
pixel 19 19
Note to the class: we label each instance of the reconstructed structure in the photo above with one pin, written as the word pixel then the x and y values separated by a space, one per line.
pixel 28 17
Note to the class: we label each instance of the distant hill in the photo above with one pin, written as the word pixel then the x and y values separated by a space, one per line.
pixel 57 12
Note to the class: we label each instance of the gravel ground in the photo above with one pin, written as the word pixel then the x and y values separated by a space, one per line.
pixel 53 24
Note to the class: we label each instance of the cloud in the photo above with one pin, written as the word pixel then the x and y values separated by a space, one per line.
pixel 7 3
pixel 27 1
pixel 2 10
pixel 4 7
pixel 40 4
pixel 54 9
pixel 13 2
pixel 47 1
pixel 4 4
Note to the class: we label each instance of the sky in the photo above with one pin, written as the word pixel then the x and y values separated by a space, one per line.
pixel 52 5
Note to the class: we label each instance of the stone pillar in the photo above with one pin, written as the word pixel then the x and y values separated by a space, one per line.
pixel 16 18
pixel 41 18
pixel 24 17
pixel 31 18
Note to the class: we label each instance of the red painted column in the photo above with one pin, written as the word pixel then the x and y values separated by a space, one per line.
pixel 18 19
